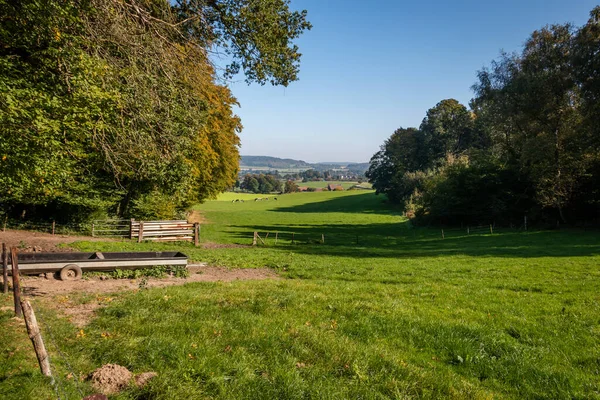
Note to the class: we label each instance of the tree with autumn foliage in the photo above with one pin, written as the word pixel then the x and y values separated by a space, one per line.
pixel 114 107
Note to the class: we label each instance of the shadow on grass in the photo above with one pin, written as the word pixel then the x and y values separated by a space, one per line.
pixel 364 203
pixel 399 241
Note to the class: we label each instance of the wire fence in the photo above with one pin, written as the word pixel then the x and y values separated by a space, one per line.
pixel 47 227
pixel 289 237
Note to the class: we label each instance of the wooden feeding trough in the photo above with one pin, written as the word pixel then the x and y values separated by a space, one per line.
pixel 70 265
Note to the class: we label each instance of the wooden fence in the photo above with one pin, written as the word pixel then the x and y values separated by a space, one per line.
pixel 176 230
pixel 168 230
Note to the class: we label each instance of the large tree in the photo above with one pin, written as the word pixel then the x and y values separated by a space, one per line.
pixel 116 105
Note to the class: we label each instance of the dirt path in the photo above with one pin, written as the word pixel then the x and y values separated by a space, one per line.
pixel 37 241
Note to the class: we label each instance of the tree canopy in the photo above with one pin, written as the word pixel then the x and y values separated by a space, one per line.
pixel 110 106
pixel 529 144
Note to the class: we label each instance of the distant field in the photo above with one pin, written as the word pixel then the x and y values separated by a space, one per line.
pixel 380 310
pixel 345 184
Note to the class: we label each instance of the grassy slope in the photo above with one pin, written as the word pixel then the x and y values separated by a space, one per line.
pixel 402 314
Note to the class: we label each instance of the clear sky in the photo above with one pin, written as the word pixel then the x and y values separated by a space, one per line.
pixel 370 67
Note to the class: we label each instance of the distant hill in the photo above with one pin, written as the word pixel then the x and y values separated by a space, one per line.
pixel 273 162
pixel 270 163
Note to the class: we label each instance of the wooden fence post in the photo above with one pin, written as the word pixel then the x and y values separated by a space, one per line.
pixel 468 231
pixel 131 228
pixel 322 238
pixel 525 222
pixel 276 234
pixel 293 234
pixel 4 268
pixel 443 234
pixel 53 227
pixel 196 234
pixel 35 335
pixel 254 238
pixel 141 232
pixel 491 229
pixel 93 230
pixel 14 259
pixel 4 226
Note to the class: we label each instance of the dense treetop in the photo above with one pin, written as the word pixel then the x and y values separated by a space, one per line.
pixel 529 145
pixel 110 106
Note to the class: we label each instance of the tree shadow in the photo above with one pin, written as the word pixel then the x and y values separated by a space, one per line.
pixel 364 203
pixel 399 240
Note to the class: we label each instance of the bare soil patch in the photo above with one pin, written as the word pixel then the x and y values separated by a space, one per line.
pixel 28 241
pixel 110 378
pixel 62 295
pixel 196 216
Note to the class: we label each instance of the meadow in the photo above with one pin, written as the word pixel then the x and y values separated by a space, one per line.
pixel 379 310
pixel 323 184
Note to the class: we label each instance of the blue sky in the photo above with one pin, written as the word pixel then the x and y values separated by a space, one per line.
pixel 370 67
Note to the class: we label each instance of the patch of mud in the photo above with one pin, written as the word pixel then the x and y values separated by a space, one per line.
pixel 110 378
pixel 29 241
pixel 142 379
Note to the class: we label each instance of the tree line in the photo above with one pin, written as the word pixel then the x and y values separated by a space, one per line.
pixel 529 143
pixel 114 107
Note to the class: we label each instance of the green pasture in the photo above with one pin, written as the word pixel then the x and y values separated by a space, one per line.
pixel 323 184
pixel 397 313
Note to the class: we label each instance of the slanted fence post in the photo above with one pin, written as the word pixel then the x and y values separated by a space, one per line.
pixel 14 260
pixel 35 335
pixel 491 229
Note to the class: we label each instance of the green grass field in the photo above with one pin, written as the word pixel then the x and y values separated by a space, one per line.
pixel 344 184
pixel 380 310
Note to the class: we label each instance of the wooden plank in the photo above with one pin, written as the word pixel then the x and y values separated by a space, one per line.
pixel 166 238
pixel 168 232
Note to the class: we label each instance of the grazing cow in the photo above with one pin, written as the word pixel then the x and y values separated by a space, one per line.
pixel 233 201
pixel 256 199
pixel 275 198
